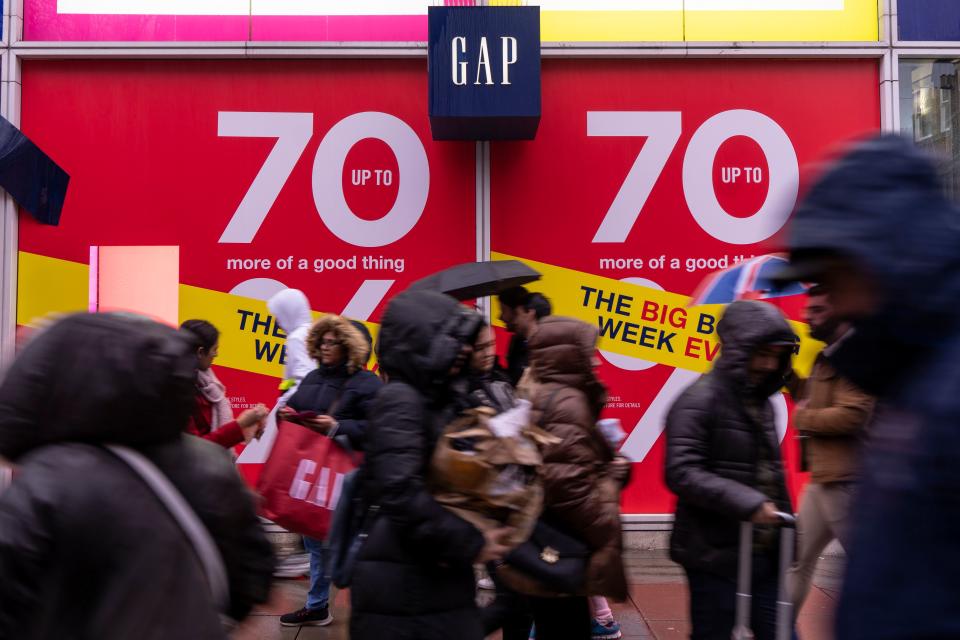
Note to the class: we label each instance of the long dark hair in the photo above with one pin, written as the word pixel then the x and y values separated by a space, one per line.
pixel 206 334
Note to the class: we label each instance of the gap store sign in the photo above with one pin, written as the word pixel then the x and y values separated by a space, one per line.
pixel 484 72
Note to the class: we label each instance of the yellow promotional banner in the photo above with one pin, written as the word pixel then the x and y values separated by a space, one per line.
pixel 645 323
pixel 47 286
pixel 250 339
pixel 783 20
pixel 707 20
pixel 611 26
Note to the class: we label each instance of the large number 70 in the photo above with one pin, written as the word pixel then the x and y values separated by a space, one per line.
pixel 662 130
pixel 293 131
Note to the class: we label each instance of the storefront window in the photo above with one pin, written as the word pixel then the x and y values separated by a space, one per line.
pixel 928 92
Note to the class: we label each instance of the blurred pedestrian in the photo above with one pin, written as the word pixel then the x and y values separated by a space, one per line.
pixel 520 311
pixel 212 415
pixel 878 232
pixel 489 386
pixel 831 416
pixel 340 393
pixel 87 550
pixel 291 309
pixel 414 578
pixel 723 462
pixel 582 474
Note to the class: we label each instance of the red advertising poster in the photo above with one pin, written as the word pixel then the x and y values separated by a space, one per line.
pixel 319 175
pixel 646 177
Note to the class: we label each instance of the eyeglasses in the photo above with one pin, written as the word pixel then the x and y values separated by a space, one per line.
pixel 330 343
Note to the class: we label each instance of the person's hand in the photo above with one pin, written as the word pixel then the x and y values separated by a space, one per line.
pixel 766 514
pixel 253 416
pixel 320 424
pixel 800 406
pixel 493 549
pixel 252 431
pixel 286 413
pixel 251 422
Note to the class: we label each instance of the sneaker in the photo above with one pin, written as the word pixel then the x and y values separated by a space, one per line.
pixel 486 584
pixel 607 630
pixel 307 618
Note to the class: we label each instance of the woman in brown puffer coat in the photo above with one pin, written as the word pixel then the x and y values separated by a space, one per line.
pixel 582 475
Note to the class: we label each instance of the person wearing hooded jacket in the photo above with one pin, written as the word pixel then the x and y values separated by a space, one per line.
pixel 582 474
pixel 724 464
pixel 340 391
pixel 877 230
pixel 291 309
pixel 86 548
pixel 413 578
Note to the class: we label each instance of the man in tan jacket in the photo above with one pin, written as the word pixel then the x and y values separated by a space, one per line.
pixel 831 415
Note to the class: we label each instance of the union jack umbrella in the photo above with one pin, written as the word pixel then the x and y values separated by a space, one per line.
pixel 751 279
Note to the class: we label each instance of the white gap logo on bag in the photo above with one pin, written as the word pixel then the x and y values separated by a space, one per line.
pixel 320 491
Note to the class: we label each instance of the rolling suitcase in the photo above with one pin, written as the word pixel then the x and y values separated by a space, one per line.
pixel 741 630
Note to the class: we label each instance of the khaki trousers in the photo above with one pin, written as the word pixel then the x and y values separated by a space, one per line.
pixel 824 515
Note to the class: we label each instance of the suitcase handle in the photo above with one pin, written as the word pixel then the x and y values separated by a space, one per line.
pixel 741 630
pixel 787 519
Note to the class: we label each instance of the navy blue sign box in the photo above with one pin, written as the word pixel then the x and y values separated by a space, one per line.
pixel 484 72
pixel 929 20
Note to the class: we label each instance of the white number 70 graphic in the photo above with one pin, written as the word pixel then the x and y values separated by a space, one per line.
pixel 662 130
pixel 293 132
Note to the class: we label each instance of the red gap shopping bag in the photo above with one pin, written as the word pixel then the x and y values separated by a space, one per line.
pixel 302 479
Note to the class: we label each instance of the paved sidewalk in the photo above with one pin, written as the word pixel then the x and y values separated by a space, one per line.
pixel 656 610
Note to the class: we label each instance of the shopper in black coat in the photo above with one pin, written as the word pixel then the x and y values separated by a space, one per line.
pixel 86 548
pixel 340 388
pixel 724 463
pixel 340 392
pixel 414 578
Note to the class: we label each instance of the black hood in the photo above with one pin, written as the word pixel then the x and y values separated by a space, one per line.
pixel 747 325
pixel 420 337
pixel 362 329
pixel 98 378
pixel 883 206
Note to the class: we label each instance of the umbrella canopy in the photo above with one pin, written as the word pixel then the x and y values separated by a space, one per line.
pixel 477 279
pixel 31 176
pixel 752 279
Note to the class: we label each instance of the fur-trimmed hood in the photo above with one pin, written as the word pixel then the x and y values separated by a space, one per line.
pixel 357 345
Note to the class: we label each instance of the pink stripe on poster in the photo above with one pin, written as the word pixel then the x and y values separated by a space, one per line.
pixel 340 28
pixel 43 23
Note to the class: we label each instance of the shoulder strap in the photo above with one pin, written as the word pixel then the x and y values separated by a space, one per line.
pixel 195 531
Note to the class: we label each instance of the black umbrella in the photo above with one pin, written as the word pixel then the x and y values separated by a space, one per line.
pixel 31 176
pixel 477 279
